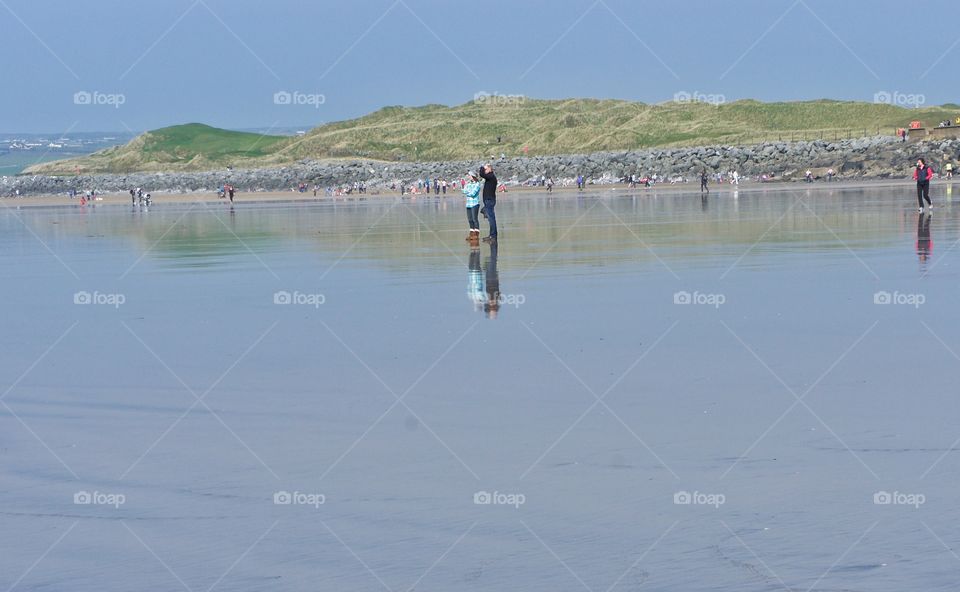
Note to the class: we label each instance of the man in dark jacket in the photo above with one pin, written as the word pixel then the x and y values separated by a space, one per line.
pixel 489 199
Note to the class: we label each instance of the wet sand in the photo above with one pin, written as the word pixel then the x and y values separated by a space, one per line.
pixel 646 349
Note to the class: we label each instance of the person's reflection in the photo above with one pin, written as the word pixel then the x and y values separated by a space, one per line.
pixel 703 202
pixel 492 304
pixel 475 278
pixel 924 242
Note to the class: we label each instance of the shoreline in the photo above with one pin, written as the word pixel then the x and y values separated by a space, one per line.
pixel 276 197
pixel 865 159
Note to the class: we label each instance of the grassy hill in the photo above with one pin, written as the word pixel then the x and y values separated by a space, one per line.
pixel 479 129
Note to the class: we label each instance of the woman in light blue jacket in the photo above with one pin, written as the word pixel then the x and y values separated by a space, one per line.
pixel 472 191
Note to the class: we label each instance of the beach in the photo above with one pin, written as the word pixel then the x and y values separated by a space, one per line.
pixel 634 389
pixel 453 194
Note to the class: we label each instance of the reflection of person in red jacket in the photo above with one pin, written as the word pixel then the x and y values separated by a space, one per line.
pixel 922 175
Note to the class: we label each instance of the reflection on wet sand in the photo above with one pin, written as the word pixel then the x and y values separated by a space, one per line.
pixel 924 241
pixel 493 284
pixel 483 283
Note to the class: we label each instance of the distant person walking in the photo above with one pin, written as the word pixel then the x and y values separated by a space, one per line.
pixel 703 181
pixel 489 199
pixel 922 175
pixel 472 191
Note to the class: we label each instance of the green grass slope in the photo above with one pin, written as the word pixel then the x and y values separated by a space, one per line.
pixel 479 129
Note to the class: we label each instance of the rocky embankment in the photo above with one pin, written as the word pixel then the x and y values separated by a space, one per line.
pixel 864 158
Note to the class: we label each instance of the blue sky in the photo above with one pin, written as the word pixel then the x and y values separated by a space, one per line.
pixel 222 61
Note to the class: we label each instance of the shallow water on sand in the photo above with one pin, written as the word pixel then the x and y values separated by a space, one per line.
pixel 735 352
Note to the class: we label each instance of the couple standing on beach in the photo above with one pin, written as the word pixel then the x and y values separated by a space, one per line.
pixel 473 192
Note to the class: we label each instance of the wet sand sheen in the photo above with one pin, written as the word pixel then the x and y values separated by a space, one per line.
pixel 643 348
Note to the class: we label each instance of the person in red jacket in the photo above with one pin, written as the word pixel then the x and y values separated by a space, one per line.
pixel 922 175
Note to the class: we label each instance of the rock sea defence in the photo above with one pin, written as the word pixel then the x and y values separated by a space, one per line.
pixel 864 158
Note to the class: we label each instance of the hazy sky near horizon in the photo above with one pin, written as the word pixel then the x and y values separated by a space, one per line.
pixel 111 65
